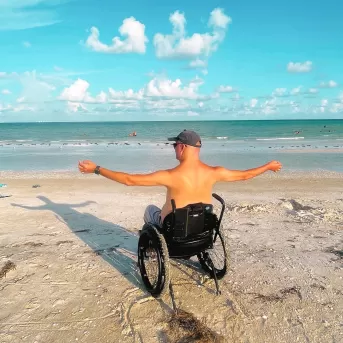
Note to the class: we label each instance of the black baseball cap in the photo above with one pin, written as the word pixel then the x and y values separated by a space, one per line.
pixel 187 137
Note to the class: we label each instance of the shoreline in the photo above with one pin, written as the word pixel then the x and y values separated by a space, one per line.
pixel 46 174
pixel 141 158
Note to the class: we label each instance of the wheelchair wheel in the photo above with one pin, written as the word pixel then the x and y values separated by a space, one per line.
pixel 219 257
pixel 153 261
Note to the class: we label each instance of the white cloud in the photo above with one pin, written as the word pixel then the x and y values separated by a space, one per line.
pixel 313 90
pixel 4 75
pixel 296 90
pixel 25 14
pixel 18 4
pixel 129 94
pixel 21 100
pixel 330 84
pixel 6 92
pixel 336 108
pixel 34 88
pixel 295 107
pixel 101 98
pixel 236 97
pixel 76 107
pixel 197 64
pixel 253 103
pixel 165 105
pixel 5 108
pixel 172 89
pixel 78 93
pixel 323 105
pixel 155 89
pixel 27 44
pixel 196 82
pixel 192 114
pixel 126 106
pixel 23 107
pixel 159 95
pixel 218 19
pixel 33 76
pixel 225 89
pixel 298 67
pixel 268 109
pixel 57 68
pixel 324 102
pixel 280 92
pixel 177 45
pixel 135 40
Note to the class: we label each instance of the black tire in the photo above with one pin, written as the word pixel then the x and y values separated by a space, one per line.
pixel 220 263
pixel 152 248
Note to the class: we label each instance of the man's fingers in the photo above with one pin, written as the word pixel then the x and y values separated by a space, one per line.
pixel 84 165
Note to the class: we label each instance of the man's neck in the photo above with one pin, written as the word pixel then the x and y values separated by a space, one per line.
pixel 190 161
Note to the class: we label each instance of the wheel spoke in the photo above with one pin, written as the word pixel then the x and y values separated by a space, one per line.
pixel 153 261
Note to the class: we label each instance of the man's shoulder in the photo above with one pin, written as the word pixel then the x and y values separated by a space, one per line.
pixel 180 169
pixel 207 167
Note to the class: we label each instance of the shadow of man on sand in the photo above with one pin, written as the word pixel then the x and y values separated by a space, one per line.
pixel 113 243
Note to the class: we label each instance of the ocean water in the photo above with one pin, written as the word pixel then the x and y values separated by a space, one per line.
pixel 298 144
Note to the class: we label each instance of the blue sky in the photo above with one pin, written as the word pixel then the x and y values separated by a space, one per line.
pixel 73 60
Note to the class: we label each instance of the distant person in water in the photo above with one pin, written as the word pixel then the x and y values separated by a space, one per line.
pixel 133 134
pixel 190 182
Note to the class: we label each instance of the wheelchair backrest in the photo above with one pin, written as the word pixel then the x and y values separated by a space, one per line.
pixel 190 221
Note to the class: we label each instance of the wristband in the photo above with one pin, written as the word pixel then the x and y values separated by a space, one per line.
pixel 97 170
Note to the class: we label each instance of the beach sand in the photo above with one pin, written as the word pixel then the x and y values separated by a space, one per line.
pixel 72 243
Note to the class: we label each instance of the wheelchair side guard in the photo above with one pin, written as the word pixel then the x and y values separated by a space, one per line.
pixel 221 200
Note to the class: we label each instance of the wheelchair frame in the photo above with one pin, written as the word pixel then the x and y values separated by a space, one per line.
pixel 180 238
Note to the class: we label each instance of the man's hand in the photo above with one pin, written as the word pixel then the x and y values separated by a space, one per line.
pixel 87 167
pixel 274 166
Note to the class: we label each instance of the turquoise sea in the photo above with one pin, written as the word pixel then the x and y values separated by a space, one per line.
pixel 298 144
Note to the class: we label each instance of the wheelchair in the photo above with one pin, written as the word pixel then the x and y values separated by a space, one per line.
pixel 193 230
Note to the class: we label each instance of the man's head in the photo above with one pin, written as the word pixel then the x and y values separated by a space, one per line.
pixel 187 145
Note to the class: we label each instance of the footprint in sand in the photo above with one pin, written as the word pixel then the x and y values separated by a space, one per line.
pixel 58 302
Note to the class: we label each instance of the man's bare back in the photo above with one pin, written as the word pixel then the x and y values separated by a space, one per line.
pixel 190 182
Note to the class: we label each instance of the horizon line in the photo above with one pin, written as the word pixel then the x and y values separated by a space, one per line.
pixel 166 121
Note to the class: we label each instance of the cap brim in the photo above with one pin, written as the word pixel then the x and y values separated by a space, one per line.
pixel 172 139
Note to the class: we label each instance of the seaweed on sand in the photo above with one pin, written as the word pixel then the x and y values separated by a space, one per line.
pixel 335 251
pixel 284 293
pixel 9 265
pixel 183 327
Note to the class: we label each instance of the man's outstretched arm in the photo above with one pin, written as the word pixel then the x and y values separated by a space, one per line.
pixel 158 178
pixel 223 174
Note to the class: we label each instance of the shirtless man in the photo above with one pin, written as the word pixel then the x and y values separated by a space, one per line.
pixel 190 182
